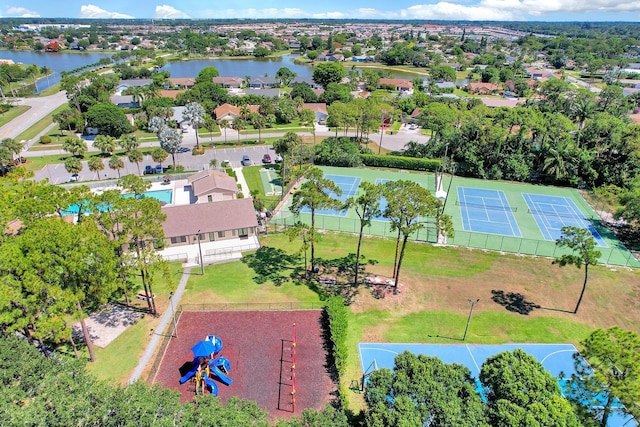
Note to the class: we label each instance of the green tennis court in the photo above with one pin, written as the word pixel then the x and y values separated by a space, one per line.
pixel 270 181
pixel 533 239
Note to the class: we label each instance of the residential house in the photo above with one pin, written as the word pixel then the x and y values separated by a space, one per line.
pixel 399 85
pixel 481 88
pixel 177 116
pixel 263 83
pixel 268 93
pixel 125 101
pixel 126 84
pixel 182 82
pixel 231 112
pixel 223 220
pixel 319 110
pixel 229 82
pixel 306 80
pixel 212 186
pixel 501 102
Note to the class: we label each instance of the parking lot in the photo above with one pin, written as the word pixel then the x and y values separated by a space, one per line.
pixel 57 174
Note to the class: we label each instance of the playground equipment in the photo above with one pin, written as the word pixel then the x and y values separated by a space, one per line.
pixel 206 365
pixel 293 370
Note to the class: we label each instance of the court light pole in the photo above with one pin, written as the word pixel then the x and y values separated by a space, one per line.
pixel 173 314
pixel 200 252
pixel 473 303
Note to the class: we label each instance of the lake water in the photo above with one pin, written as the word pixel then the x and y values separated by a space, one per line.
pixel 254 67
pixel 55 61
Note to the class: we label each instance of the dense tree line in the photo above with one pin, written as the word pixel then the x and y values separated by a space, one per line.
pixel 567 137
pixel 54 270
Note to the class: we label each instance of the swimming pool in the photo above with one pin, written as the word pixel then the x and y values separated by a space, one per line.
pixel 165 197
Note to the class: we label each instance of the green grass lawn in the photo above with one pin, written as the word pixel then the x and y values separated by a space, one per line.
pixel 13 113
pixel 254 181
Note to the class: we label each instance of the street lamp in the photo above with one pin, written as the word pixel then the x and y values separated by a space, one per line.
pixel 473 303
pixel 200 252
pixel 173 314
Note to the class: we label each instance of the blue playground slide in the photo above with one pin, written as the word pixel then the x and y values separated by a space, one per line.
pixel 192 372
pixel 221 362
pixel 217 343
pixel 213 387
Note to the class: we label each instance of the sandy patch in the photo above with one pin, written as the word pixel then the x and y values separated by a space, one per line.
pixel 106 325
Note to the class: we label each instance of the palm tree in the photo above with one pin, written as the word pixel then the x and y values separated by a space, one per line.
pixel 244 111
pixel 224 124
pixel 129 142
pixel 159 155
pixel 135 156
pixel 283 147
pixel 73 165
pixel 96 165
pixel 213 163
pixel 116 164
pixel 238 125
pixel 258 122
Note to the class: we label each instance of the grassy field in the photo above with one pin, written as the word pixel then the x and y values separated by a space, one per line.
pixel 522 299
pixel 13 113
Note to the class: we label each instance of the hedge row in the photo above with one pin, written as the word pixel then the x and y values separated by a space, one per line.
pixel 338 327
pixel 399 162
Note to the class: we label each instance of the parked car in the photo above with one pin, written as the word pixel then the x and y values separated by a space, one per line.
pixel 148 170
pixel 159 169
pixel 74 177
pixel 278 158
pixel 413 127
pixel 183 149
pixel 246 161
pixel 266 158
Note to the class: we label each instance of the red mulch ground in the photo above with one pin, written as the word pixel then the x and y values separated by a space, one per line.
pixel 253 341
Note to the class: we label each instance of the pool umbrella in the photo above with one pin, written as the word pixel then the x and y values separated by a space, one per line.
pixel 203 348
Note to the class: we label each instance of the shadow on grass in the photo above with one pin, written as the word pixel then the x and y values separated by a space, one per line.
pixel 268 263
pixel 514 302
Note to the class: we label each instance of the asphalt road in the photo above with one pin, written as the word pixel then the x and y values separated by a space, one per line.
pixel 57 174
pixel 40 108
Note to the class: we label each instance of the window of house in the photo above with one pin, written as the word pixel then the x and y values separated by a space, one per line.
pixel 220 234
pixel 210 198
pixel 212 236
pixel 202 236
pixel 233 232
pixel 178 239
pixel 243 232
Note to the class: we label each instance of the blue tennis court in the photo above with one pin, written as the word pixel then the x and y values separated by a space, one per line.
pixel 552 213
pixel 349 186
pixel 555 358
pixel 383 200
pixel 487 211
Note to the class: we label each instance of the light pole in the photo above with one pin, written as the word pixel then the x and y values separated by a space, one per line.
pixel 173 314
pixel 473 303
pixel 200 252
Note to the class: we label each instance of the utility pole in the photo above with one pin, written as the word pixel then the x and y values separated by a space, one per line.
pixel 473 303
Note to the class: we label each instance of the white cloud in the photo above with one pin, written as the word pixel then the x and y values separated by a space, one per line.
pixel 169 12
pixel 367 12
pixel 93 11
pixel 453 11
pixel 329 15
pixel 21 12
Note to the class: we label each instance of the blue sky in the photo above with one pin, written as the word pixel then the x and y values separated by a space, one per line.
pixel 497 10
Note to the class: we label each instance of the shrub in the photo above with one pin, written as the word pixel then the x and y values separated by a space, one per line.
pixel 341 151
pixel 338 328
pixel 231 173
pixel 197 151
pixel 45 139
pixel 400 162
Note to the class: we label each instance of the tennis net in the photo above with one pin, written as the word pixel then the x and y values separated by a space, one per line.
pixel 544 212
pixel 485 206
